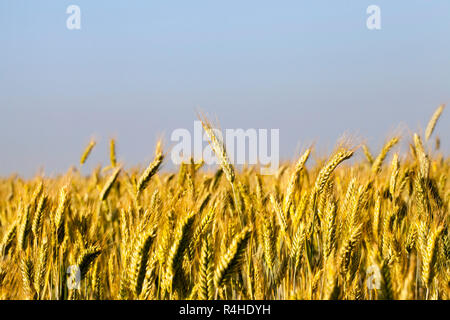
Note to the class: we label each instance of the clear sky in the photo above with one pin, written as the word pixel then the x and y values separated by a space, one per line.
pixel 139 69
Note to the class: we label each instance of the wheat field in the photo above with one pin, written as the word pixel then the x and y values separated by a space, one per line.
pixel 375 227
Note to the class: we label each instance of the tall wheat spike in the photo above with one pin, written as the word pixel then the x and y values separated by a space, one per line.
pixel 432 123
pixel 232 259
pixel 218 146
pixel 112 153
pixel 206 272
pixel 59 218
pixel 430 256
pixel 41 268
pixel 293 179
pixel 376 166
pixel 139 260
pixel 177 251
pixel 109 183
pixel 87 151
pixel 151 170
pixel 86 259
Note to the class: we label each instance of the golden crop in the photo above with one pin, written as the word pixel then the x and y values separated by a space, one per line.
pixel 365 230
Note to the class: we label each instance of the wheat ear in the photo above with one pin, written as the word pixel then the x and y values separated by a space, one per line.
pixel 232 259
pixel 432 123
pixel 87 151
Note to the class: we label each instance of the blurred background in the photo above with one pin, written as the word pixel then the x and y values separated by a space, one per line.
pixel 137 70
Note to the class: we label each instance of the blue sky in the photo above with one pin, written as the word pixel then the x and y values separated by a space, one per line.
pixel 139 69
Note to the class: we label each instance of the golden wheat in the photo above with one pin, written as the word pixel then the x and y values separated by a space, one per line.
pixel 308 232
